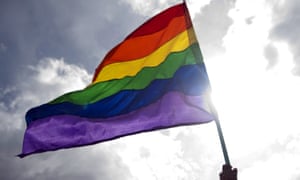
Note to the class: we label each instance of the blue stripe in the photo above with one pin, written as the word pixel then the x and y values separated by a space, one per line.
pixel 190 79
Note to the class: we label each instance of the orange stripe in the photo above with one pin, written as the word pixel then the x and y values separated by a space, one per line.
pixel 149 36
pixel 131 68
pixel 142 46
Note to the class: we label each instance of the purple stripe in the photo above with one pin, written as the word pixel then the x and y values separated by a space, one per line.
pixel 66 131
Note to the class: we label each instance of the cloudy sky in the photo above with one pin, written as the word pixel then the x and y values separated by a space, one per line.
pixel 252 53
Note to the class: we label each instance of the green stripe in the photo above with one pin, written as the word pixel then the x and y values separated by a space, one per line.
pixel 101 90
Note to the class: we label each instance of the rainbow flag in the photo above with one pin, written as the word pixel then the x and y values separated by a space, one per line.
pixel 154 79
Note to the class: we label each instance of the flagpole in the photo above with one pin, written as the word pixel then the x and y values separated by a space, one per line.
pixel 220 134
pixel 228 173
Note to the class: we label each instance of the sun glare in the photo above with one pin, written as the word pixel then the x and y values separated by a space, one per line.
pixel 253 100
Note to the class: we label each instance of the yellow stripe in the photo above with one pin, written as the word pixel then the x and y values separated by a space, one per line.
pixel 131 68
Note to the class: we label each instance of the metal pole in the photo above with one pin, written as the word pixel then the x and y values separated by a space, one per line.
pixel 220 133
pixel 221 137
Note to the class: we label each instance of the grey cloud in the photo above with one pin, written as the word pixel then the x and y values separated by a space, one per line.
pixel 286 147
pixel 271 54
pixel 296 177
pixel 249 20
pixel 3 48
pixel 212 25
pixel 78 31
pixel 144 152
pixel 286 20
pixel 198 155
pixel 165 132
pixel 80 163
pixel 89 163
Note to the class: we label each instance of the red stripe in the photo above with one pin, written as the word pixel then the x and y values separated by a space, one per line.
pixel 148 37
pixel 159 21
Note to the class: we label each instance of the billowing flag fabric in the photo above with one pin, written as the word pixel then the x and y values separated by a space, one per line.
pixel 154 79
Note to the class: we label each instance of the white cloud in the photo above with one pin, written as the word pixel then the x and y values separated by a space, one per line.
pixel 196 6
pixel 49 78
pixel 211 27
pixel 278 161
pixel 55 72
pixel 176 153
pixel 257 105
pixel 150 8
